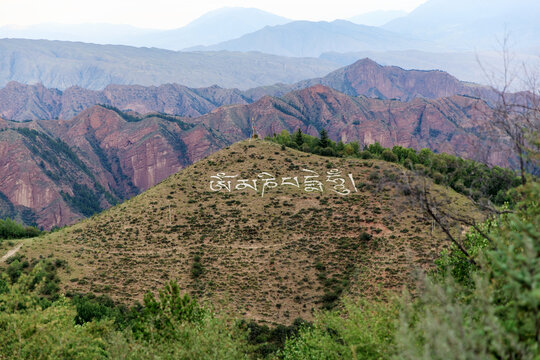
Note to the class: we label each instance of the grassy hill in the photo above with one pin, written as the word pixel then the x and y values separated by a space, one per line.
pixel 270 258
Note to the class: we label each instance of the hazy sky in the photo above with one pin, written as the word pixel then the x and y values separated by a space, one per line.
pixel 175 13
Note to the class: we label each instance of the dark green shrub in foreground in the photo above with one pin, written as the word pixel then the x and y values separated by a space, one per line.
pixel 172 326
pixel 362 330
pixel 488 311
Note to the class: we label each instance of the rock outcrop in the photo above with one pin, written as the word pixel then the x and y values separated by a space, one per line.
pixel 455 125
pixel 367 78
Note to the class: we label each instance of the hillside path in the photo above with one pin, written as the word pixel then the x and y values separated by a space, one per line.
pixel 11 252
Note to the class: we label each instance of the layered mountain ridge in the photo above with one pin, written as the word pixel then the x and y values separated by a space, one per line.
pixel 121 158
pixel 35 102
pixel 364 77
pixel 62 64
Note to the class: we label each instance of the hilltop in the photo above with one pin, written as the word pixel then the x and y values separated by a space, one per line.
pixel 270 257
pixel 365 77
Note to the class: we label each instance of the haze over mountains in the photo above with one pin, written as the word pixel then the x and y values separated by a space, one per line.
pixel 437 35
pixel 436 24
pixel 63 64
pixel 377 18
pixel 213 27
pixel 473 25
pixel 307 38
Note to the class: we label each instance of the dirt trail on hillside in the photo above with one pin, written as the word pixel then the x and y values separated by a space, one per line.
pixel 11 252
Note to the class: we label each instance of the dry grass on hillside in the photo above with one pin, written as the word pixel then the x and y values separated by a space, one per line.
pixel 271 258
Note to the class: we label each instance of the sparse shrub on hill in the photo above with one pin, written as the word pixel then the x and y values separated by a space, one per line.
pixel 465 311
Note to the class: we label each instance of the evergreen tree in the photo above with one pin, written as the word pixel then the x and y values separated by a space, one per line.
pixel 298 138
pixel 324 141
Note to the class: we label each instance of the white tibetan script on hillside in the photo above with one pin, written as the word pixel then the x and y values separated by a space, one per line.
pixel 311 181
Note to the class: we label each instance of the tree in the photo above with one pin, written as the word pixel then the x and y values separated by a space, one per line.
pixel 388 155
pixel 375 149
pixel 492 315
pixel 324 140
pixel 516 115
pixel 298 138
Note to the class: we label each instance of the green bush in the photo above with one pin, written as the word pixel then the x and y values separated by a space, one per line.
pixel 169 327
pixel 488 311
pixel 388 155
pixel 10 229
pixel 362 330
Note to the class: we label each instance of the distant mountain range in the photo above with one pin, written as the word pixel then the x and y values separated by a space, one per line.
pixel 96 33
pixel 440 34
pixel 102 159
pixel 213 27
pixel 363 78
pixel 69 169
pixel 377 18
pixel 367 78
pixel 478 66
pixel 441 25
pixel 35 102
pixel 307 38
pixel 60 65
pixel 464 25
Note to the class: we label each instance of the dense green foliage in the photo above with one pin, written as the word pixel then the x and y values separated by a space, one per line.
pixel 489 311
pixel 268 341
pixel 10 229
pixel 464 176
pixel 84 199
pixel 38 323
pixel 362 330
